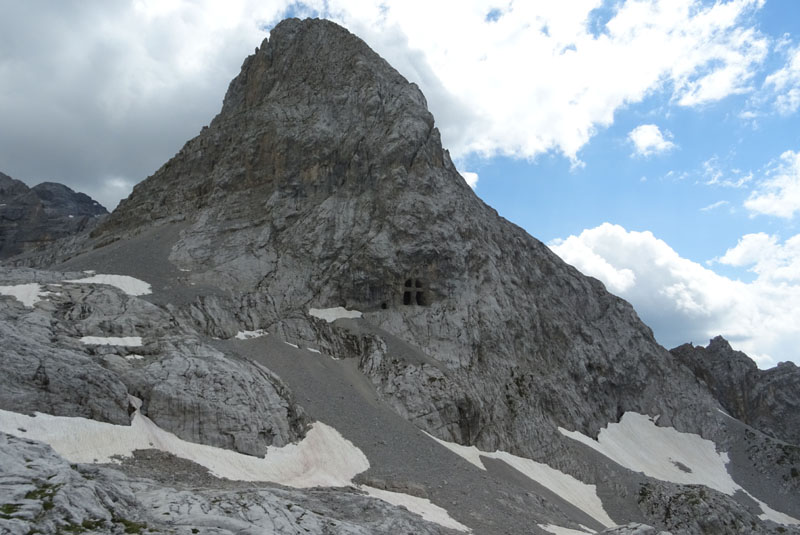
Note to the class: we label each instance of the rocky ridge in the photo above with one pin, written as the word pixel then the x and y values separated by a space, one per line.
pixel 30 218
pixel 768 400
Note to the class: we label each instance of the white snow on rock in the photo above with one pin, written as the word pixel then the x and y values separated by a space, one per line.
pixel 580 494
pixel 332 314
pixel 421 506
pixel 129 285
pixel 558 530
pixel 134 357
pixel 323 458
pixel 665 453
pixel 27 294
pixel 129 341
pixel 291 344
pixel 247 335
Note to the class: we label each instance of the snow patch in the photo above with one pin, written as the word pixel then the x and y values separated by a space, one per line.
pixel 129 285
pixel 421 506
pixel 639 445
pixel 580 494
pixel 27 294
pixel 332 314
pixel 314 350
pixel 558 530
pixel 129 341
pixel 293 345
pixel 247 335
pixel 323 458
pixel 134 357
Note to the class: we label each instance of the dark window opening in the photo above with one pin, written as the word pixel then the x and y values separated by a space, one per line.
pixel 414 293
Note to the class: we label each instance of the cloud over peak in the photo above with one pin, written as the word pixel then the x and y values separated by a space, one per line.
pixel 647 140
pixel 683 301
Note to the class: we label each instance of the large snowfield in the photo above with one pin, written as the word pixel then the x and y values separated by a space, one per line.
pixel 664 453
pixel 322 459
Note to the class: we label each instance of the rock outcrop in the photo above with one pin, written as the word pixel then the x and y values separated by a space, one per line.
pixel 768 400
pixel 187 387
pixel 33 217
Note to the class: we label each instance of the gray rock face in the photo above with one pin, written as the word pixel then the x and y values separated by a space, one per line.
pixel 33 217
pixel 42 493
pixel 768 400
pixel 323 182
pixel 186 386
pixel 697 509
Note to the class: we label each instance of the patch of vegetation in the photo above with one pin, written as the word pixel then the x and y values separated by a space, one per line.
pixel 44 493
pixel 8 509
pixel 130 526
pixel 86 525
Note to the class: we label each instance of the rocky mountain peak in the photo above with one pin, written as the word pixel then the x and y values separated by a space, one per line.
pixel 765 399
pixel 314 112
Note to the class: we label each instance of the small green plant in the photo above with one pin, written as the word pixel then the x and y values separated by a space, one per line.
pixel 130 526
pixel 8 509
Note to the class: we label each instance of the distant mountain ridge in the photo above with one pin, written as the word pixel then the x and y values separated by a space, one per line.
pixel 769 400
pixel 33 217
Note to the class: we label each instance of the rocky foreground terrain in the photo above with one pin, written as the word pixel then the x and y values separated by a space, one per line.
pixel 307 322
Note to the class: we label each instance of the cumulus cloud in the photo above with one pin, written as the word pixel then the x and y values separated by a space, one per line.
pixel 764 255
pixel 779 193
pixel 128 83
pixel 785 82
pixel 682 301
pixel 470 178
pixel 647 139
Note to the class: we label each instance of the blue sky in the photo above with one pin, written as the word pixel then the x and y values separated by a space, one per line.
pixel 653 144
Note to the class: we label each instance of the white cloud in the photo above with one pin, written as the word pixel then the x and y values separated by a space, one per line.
pixel 715 176
pixel 141 78
pixel 764 255
pixel 778 194
pixel 647 139
pixel 785 82
pixel 713 206
pixel 682 301
pixel 470 178
pixel 538 79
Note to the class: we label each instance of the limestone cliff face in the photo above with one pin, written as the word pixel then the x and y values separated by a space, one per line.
pixel 33 217
pixel 768 400
pixel 323 182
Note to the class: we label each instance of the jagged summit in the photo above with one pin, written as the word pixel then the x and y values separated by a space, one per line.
pixel 768 400
pixel 313 112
